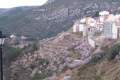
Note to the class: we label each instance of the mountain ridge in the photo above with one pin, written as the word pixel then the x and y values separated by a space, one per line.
pixel 50 19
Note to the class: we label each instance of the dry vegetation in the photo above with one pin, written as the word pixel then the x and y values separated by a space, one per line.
pixel 106 67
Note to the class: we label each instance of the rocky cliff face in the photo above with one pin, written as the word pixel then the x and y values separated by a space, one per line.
pixel 52 18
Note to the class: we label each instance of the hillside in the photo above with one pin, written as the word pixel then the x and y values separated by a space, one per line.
pixel 51 58
pixel 68 55
pixel 52 18
pixel 59 54
pixel 106 67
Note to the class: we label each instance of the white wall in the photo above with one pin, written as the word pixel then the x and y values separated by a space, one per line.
pixel 114 31
pixel 74 28
pixel 81 27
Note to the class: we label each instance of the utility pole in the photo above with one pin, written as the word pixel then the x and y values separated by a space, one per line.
pixel 2 38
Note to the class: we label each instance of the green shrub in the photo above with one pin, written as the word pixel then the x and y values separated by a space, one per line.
pixel 97 58
pixel 32 47
pixel 98 77
pixel 109 54
pixel 10 53
pixel 43 75
pixel 114 51
pixel 43 61
pixel 39 76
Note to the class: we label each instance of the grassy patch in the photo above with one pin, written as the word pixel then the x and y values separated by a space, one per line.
pixel 74 53
pixel 42 75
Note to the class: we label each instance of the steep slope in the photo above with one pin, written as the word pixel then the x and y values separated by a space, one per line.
pixel 106 67
pixel 54 56
pixel 52 18
pixel 104 70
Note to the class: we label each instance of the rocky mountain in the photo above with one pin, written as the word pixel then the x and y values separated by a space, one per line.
pixel 68 56
pixel 52 18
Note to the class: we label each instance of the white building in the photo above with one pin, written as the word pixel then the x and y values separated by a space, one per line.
pixel 103 13
pixel 78 26
pixel 23 37
pixel 12 36
pixel 85 25
pixel 106 25
pixel 110 30
pixel 90 22
pixel 103 16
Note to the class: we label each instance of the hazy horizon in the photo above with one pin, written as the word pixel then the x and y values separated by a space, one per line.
pixel 18 3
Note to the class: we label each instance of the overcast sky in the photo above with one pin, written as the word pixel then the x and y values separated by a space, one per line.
pixel 15 3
